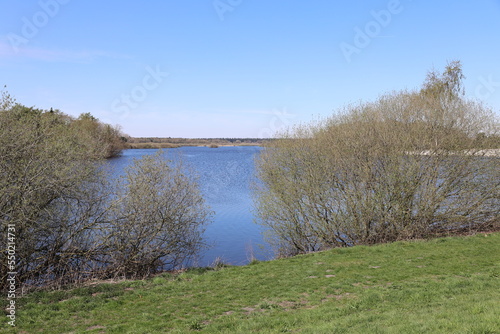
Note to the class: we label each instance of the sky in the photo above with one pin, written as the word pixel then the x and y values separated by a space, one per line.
pixel 237 68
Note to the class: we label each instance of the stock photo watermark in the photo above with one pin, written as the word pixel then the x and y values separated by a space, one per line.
pixel 486 87
pixel 372 29
pixel 131 100
pixel 11 275
pixel 31 26
pixel 224 6
pixel 279 121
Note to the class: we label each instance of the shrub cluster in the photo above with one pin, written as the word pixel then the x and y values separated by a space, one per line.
pixel 72 221
pixel 405 166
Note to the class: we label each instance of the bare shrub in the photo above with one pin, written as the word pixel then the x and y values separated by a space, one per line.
pixel 404 166
pixel 157 219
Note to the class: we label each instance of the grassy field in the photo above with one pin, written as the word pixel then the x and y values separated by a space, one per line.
pixel 446 285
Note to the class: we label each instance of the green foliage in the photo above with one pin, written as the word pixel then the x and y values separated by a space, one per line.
pixel 104 139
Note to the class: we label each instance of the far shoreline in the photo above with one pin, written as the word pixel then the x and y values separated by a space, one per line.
pixel 157 142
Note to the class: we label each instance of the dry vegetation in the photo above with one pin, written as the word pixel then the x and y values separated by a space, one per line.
pixel 359 177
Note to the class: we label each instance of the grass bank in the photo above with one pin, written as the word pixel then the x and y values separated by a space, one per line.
pixel 445 285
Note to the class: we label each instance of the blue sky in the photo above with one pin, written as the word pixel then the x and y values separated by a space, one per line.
pixel 237 68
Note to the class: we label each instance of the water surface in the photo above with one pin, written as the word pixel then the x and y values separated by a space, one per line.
pixel 225 175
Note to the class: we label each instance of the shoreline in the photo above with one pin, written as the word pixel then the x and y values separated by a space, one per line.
pixel 157 142
pixel 167 145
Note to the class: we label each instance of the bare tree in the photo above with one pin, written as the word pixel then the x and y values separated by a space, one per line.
pixel 404 166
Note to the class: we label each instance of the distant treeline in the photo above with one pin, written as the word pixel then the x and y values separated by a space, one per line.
pixel 169 142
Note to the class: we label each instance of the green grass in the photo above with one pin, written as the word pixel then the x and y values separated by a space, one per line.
pixel 448 285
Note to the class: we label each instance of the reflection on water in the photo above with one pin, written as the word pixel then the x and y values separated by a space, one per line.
pixel 225 175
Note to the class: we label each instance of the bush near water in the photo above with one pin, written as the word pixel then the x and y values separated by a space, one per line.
pixel 412 164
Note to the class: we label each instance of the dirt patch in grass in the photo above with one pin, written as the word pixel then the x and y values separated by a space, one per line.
pixel 249 310
pixel 91 328
pixel 337 297
pixel 290 305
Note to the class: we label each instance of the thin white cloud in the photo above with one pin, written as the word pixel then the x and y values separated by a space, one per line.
pixel 52 55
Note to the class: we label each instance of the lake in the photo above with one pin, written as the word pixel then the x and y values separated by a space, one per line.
pixel 225 175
